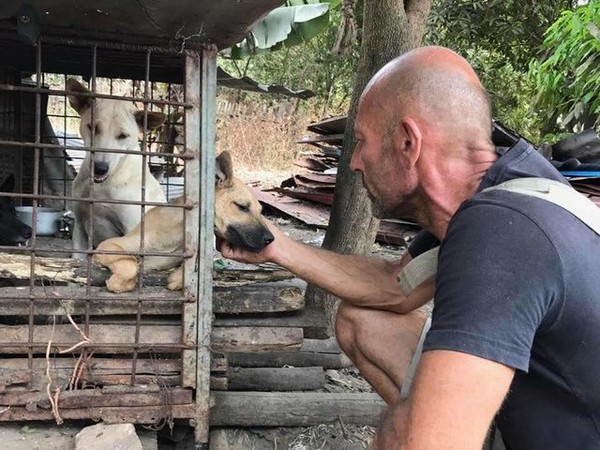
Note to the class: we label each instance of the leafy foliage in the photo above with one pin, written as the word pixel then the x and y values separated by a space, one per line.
pixel 512 28
pixel 308 66
pixel 296 22
pixel 567 78
pixel 499 38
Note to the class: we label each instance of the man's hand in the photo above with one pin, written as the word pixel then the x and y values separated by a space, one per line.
pixel 267 254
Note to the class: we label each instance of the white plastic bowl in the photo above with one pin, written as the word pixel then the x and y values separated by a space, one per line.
pixel 48 219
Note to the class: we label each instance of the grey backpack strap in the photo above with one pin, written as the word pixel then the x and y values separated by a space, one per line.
pixel 558 193
pixel 418 270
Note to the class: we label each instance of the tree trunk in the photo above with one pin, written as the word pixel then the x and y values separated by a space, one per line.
pixel 390 28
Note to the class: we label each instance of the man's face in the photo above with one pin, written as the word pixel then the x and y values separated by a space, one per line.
pixel 389 184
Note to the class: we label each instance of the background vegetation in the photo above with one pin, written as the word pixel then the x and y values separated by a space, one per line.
pixel 539 60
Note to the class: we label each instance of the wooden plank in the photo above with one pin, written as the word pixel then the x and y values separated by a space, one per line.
pixel 189 358
pixel 294 359
pixel 120 338
pixel 249 298
pixel 55 300
pixel 271 409
pixel 138 414
pixel 57 270
pixel 305 318
pixel 219 383
pixel 256 339
pixel 104 338
pixel 276 379
pixel 264 297
pixel 219 363
pixel 99 398
pixel 313 352
pixel 329 345
pixel 236 277
pixel 60 270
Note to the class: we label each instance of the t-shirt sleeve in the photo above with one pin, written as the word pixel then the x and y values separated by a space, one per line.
pixel 498 277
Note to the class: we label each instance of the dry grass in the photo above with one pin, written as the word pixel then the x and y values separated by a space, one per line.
pixel 262 140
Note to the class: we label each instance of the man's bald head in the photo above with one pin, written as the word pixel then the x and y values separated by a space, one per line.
pixel 435 85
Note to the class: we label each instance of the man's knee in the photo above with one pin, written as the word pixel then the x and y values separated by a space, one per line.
pixel 347 321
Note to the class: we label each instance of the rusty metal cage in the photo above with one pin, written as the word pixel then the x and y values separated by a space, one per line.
pixel 69 348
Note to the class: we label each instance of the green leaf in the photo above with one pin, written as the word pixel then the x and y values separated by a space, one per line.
pixel 299 22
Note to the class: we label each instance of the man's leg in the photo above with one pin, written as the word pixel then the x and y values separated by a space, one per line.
pixel 381 344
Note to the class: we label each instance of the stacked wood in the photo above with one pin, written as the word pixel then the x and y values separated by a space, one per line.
pixel 274 409
pixel 98 342
pixel 313 352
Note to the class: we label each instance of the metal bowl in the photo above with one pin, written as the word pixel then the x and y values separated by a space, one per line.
pixel 48 219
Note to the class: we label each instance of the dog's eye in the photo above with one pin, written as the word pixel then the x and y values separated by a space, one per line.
pixel 122 136
pixel 243 208
pixel 89 125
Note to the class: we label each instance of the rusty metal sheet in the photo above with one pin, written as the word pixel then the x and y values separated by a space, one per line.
pixel 309 214
pixel 200 22
pixel 333 125
pixel 318 215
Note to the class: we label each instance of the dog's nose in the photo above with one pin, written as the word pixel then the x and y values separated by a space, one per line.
pixel 26 233
pixel 100 168
pixel 268 237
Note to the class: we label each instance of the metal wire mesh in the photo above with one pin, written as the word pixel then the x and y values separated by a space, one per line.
pixel 68 335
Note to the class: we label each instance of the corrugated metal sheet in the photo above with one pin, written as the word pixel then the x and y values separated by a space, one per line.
pixel 150 22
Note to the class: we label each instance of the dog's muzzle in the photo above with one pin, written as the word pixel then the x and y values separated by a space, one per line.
pixel 253 239
pixel 100 171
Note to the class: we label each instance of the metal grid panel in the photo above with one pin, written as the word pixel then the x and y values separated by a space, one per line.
pixel 75 350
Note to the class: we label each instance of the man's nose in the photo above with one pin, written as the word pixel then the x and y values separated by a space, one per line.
pixel 355 165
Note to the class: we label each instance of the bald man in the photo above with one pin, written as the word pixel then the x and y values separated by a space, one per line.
pixel 515 330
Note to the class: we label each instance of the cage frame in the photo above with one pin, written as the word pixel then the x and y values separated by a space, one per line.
pixel 200 71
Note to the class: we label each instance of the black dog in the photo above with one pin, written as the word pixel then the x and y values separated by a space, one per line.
pixel 12 231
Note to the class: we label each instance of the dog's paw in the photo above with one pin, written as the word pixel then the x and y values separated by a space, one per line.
pixel 175 280
pixel 119 285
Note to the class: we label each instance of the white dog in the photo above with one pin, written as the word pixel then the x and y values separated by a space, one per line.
pixel 115 176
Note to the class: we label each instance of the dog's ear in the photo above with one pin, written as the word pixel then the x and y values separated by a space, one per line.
pixel 155 119
pixel 9 184
pixel 224 170
pixel 78 102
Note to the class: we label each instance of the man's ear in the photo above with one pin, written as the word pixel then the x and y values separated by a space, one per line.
pixel 408 139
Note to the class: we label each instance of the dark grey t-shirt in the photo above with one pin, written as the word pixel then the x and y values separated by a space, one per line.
pixel 517 284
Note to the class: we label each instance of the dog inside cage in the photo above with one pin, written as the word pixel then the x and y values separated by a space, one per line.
pixel 84 158
pixel 103 186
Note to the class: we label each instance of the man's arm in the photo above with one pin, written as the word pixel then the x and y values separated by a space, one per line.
pixel 454 400
pixel 359 280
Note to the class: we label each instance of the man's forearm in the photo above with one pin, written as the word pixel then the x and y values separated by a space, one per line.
pixel 359 280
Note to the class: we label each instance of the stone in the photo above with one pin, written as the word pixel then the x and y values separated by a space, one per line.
pixel 108 437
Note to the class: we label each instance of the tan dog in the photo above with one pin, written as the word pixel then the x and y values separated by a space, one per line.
pixel 237 219
pixel 115 176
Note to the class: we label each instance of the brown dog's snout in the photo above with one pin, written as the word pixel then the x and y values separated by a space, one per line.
pixel 268 237
pixel 251 238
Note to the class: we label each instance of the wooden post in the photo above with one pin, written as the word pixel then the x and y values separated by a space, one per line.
pixel 206 181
